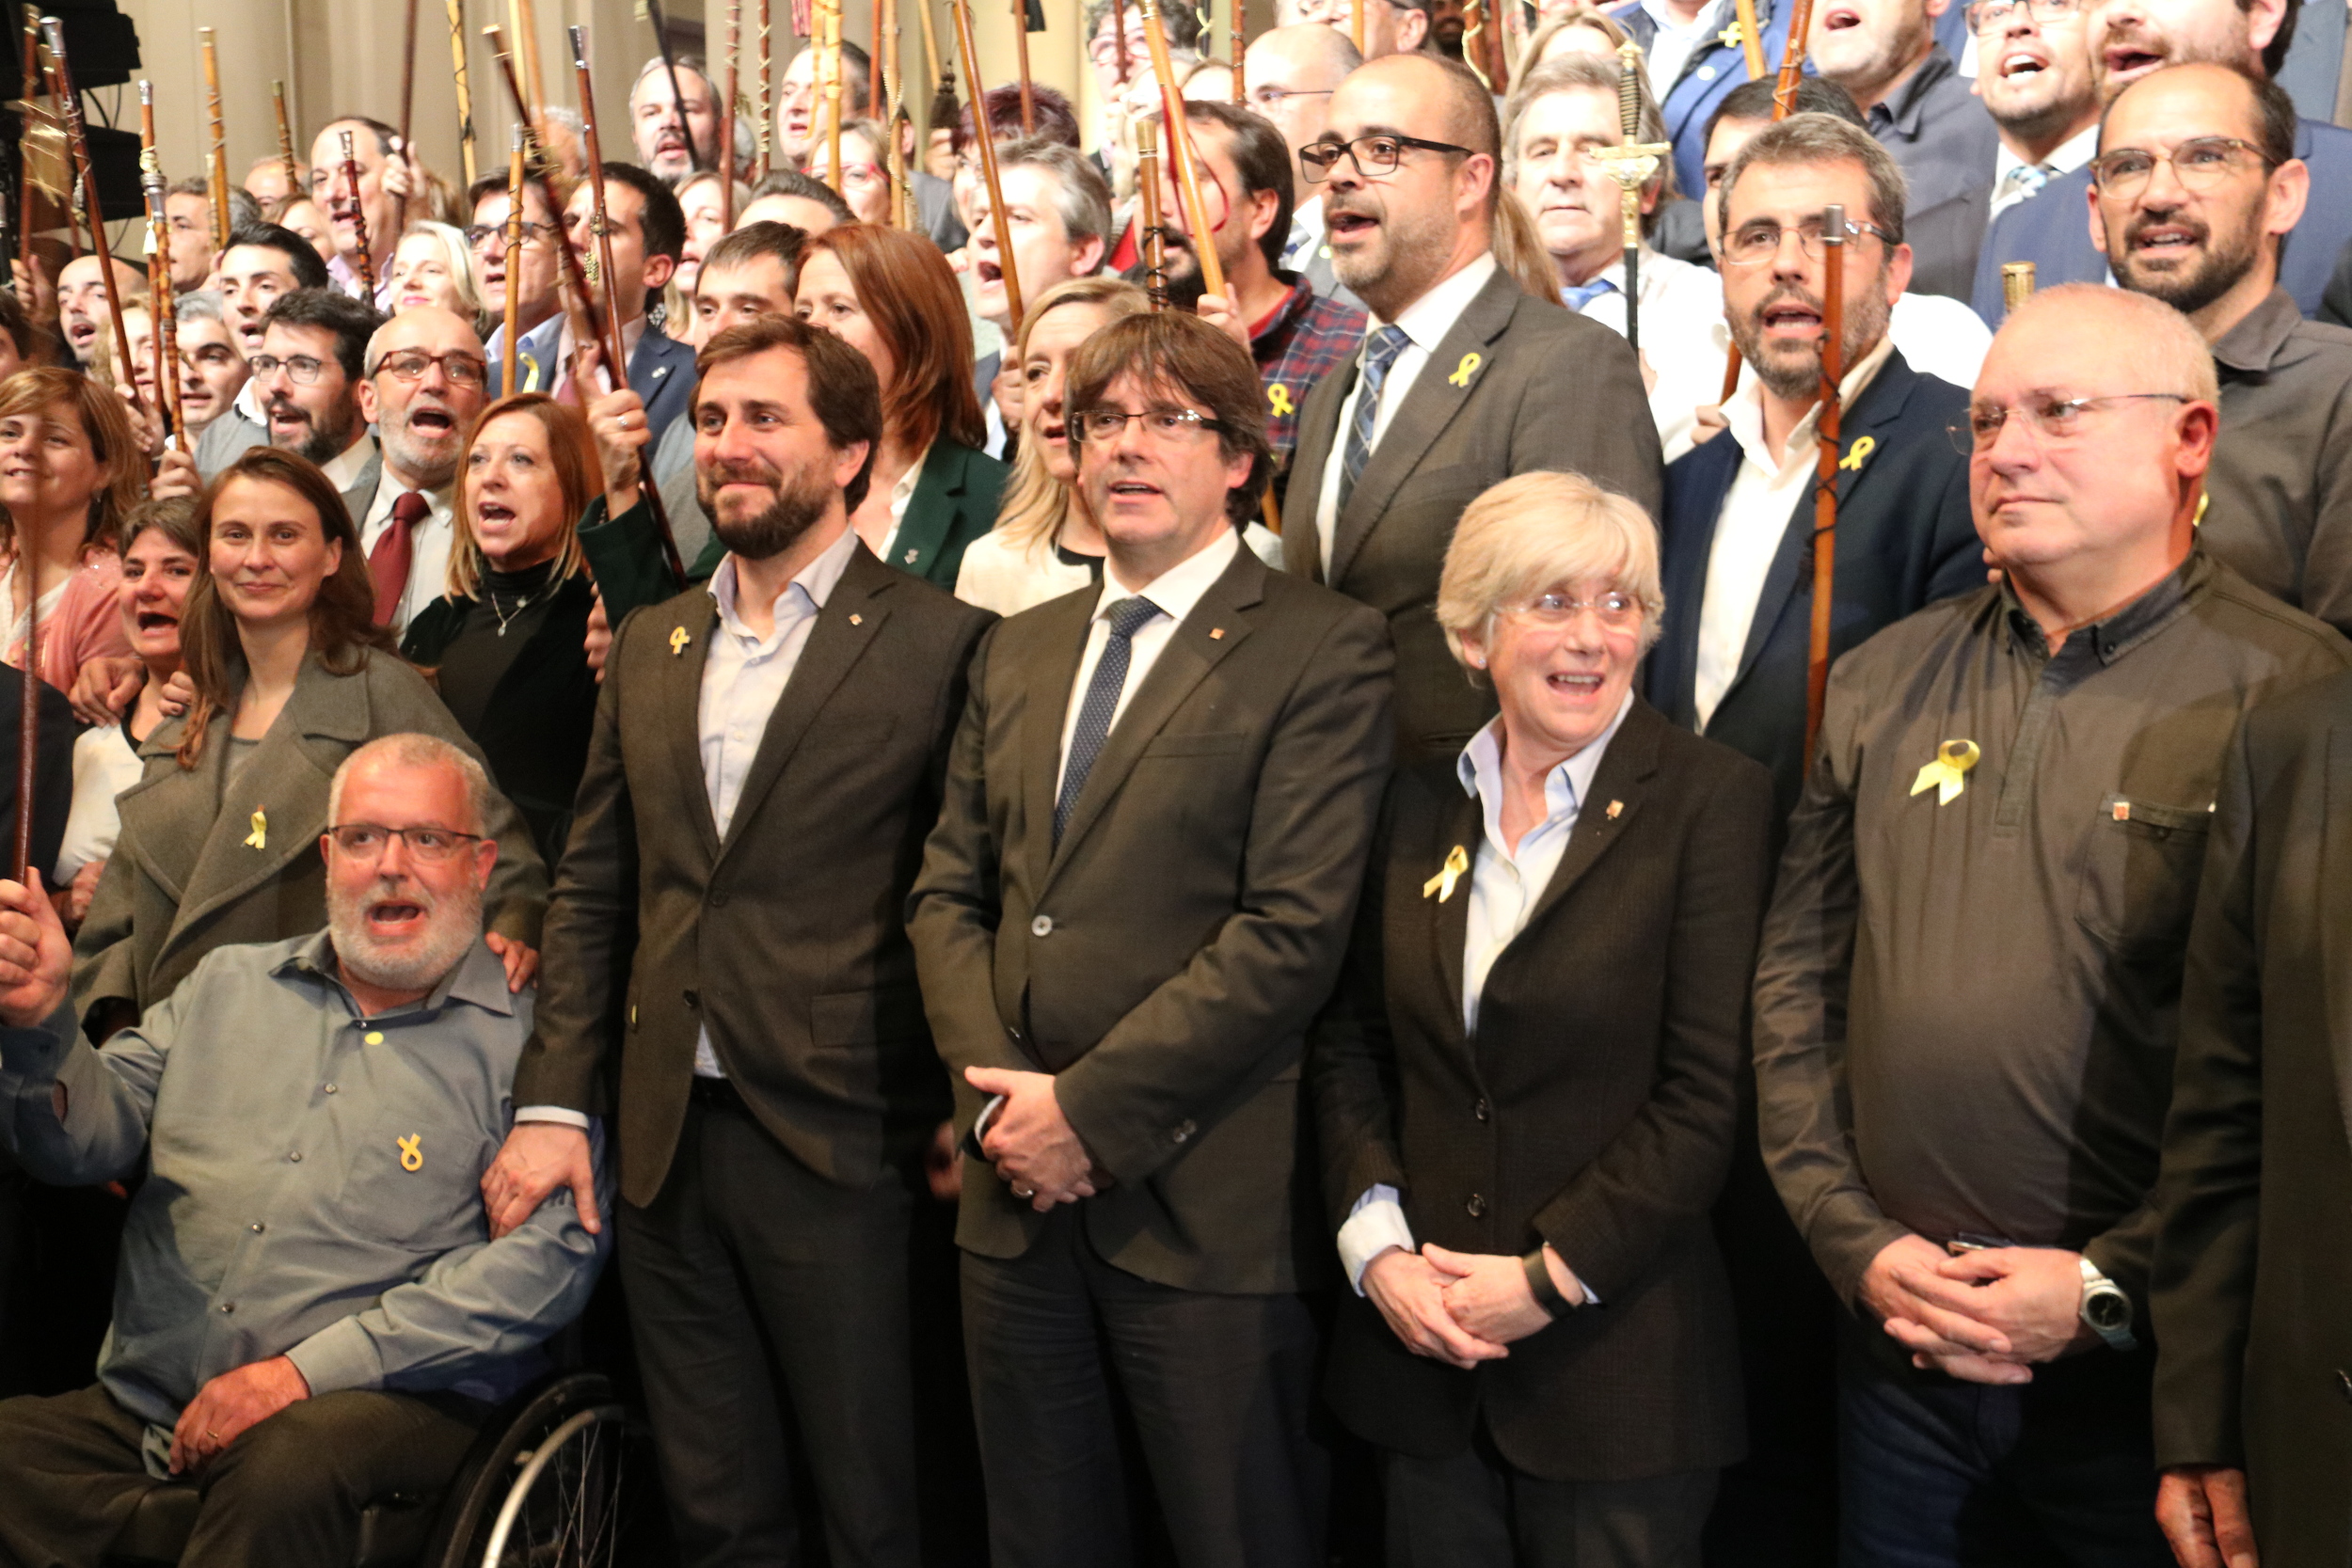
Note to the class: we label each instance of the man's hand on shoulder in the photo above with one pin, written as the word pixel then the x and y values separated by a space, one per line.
pixel 35 957
pixel 225 1407
pixel 537 1158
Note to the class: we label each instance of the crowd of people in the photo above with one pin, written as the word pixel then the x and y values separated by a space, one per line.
pixel 1187 896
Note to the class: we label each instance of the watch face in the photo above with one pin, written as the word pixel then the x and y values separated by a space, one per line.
pixel 2108 1310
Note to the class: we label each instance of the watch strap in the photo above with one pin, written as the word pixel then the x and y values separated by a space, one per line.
pixel 1539 1283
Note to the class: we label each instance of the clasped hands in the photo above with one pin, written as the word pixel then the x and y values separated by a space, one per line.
pixel 1461 1308
pixel 1035 1149
pixel 1986 1316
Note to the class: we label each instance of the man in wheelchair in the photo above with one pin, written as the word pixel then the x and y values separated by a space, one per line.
pixel 310 1314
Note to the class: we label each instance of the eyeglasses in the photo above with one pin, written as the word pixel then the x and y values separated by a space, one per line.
pixel 366 841
pixel 1989 15
pixel 1274 98
pixel 1175 426
pixel 2198 164
pixel 1371 155
pixel 305 369
pixel 1753 243
pixel 2051 419
pixel 483 233
pixel 463 370
pixel 1614 610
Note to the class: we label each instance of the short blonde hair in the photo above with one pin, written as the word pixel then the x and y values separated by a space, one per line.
pixel 1535 531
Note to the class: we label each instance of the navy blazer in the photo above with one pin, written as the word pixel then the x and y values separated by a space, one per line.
pixel 1905 539
pixel 2051 230
pixel 660 371
pixel 1713 70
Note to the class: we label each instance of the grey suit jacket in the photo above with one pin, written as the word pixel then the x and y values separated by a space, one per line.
pixel 226 440
pixel 1165 957
pixel 1518 384
pixel 362 496
pixel 186 876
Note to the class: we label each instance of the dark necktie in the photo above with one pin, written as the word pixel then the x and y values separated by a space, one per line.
pixel 387 563
pixel 1379 358
pixel 1126 618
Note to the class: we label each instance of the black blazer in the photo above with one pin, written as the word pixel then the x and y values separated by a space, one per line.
pixel 786 937
pixel 535 732
pixel 1594 1109
pixel 1905 539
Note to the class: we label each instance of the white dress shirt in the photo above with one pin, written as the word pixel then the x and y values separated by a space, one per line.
pixel 1175 591
pixel 1682 334
pixel 1306 234
pixel 901 494
pixel 1754 519
pixel 1936 335
pixel 429 545
pixel 1671 50
pixel 343 469
pixel 2070 155
pixel 1506 885
pixel 1426 322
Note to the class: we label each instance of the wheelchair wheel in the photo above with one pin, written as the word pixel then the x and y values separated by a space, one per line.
pixel 559 1488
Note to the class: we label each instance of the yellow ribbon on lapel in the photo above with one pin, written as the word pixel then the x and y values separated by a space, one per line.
pixel 258 837
pixel 1463 372
pixel 1858 454
pixel 412 1157
pixel 1948 773
pixel 677 641
pixel 1278 398
pixel 1456 867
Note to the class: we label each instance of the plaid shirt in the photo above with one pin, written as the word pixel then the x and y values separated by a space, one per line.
pixel 1304 340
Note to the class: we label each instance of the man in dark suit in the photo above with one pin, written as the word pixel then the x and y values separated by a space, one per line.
pixel 1739 518
pixel 785 732
pixel 1464 379
pixel 2128 40
pixel 648 231
pixel 2253 1256
pixel 1136 898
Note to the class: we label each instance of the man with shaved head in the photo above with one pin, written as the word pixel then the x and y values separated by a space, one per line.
pixel 1463 380
pixel 2197 187
pixel 1292 73
pixel 1968 991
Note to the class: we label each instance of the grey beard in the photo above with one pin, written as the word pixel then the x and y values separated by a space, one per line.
pixel 456 925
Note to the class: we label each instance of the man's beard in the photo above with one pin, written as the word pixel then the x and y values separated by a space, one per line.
pixel 2228 258
pixel 798 504
pixel 1394 271
pixel 1185 284
pixel 1867 312
pixel 433 471
pixel 453 925
pixel 324 443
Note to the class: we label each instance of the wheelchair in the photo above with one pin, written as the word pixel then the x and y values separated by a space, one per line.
pixel 556 1480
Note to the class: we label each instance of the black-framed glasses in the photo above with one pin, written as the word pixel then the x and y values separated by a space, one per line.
pixel 367 841
pixel 483 233
pixel 409 364
pixel 1987 15
pixel 1176 426
pixel 305 369
pixel 2198 164
pixel 2055 419
pixel 1372 155
pixel 1757 240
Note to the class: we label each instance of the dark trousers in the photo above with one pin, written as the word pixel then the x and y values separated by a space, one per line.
pixel 769 1311
pixel 1939 1473
pixel 1474 1510
pixel 288 1492
pixel 1218 1388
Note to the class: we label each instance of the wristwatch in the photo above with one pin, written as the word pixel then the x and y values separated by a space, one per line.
pixel 2107 1309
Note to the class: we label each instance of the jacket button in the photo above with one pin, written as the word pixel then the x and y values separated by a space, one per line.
pixel 1042 926
pixel 1480 1111
pixel 259 1228
pixel 694 999
pixel 717 900
pixel 228 1306
pixel 1184 1131
pixel 1477 1206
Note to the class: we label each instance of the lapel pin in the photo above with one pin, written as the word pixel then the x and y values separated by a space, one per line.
pixel 1948 773
pixel 1216 634
pixel 258 837
pixel 1456 866
pixel 411 1156
pixel 911 556
pixel 1278 396
pixel 1616 809
pixel 1463 372
pixel 1858 454
pixel 860 619
pixel 677 641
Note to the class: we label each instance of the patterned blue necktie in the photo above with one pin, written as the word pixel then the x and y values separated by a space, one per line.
pixel 1126 618
pixel 1584 293
pixel 2023 179
pixel 1379 357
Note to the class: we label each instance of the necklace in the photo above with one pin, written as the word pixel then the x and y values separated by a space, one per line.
pixel 504 618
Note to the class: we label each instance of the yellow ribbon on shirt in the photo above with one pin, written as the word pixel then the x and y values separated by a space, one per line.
pixel 1948 772
pixel 412 1157
pixel 1278 398
pixel 1463 372
pixel 1456 867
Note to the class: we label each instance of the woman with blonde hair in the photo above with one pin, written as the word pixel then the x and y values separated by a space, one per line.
pixel 434 265
pixel 71 467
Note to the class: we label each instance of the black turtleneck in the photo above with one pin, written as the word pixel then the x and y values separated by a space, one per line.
pixel 504 614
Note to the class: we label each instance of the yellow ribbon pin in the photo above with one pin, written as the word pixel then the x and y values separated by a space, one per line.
pixel 1278 396
pixel 1731 37
pixel 412 1157
pixel 1456 867
pixel 1950 770
pixel 1855 455
pixel 258 837
pixel 1463 372
pixel 677 641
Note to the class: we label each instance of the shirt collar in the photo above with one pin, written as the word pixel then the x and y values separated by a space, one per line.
pixel 1908 103
pixel 816 582
pixel 1480 770
pixel 479 978
pixel 2119 633
pixel 1296 304
pixel 2255 342
pixel 1428 319
pixel 903 491
pixel 343 469
pixel 1177 590
pixel 2068 156
pixel 1744 416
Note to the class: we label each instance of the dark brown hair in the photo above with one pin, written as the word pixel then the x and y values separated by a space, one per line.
pixel 343 632
pixel 843 390
pixel 112 441
pixel 908 293
pixel 1175 349
pixel 578 479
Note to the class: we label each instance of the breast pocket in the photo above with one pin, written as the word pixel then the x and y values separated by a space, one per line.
pixel 2139 874
pixel 417 1185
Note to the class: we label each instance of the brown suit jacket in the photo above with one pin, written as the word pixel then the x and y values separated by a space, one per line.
pixel 1518 384
pixel 1593 1109
pixel 786 938
pixel 2251 1287
pixel 184 878
pixel 1166 959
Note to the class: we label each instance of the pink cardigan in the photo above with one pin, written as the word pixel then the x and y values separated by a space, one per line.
pixel 87 624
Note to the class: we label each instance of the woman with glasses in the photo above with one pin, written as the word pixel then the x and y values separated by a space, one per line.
pixel 70 470
pixel 219 841
pixel 1527 1083
pixel 864 182
pixel 506 645
pixel 889 295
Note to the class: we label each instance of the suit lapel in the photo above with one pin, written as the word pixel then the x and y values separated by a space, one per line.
pixel 1607 811
pixel 1463 828
pixel 1438 393
pixel 930 510
pixel 1064 626
pixel 1318 428
pixel 680 687
pixel 1702 483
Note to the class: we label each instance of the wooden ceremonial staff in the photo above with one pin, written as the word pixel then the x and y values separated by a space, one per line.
pixel 615 360
pixel 359 219
pixel 1751 40
pixel 1825 466
pixel 894 121
pixel 508 361
pixel 984 133
pixel 1180 153
pixel 1356 24
pixel 216 160
pixel 407 102
pixel 763 104
pixel 526 39
pixel 32 81
pixel 464 89
pixel 677 98
pixel 295 183
pixel 830 15
pixel 724 120
pixel 1241 84
pixel 874 74
pixel 1150 237
pixel 52 32
pixel 159 308
pixel 1118 36
pixel 1473 42
pixel 1028 93
pixel 1784 105
pixel 941 76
